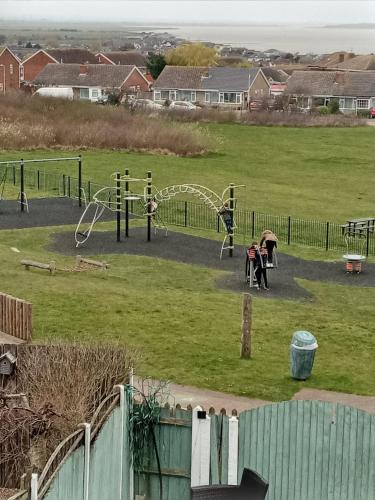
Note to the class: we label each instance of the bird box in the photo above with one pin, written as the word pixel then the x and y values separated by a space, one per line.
pixel 7 363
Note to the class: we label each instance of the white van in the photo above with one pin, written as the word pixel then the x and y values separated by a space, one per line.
pixel 61 92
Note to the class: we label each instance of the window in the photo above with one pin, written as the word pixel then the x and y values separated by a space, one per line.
pixel 363 103
pixel 95 93
pixel 22 73
pixel 84 94
pixel 230 97
pixel 164 95
pixel 206 97
pixel 157 96
pixel 11 69
pixel 193 97
pixel 1 87
pixel 172 95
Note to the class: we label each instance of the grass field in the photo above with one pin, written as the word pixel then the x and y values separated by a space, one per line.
pixel 318 173
pixel 185 328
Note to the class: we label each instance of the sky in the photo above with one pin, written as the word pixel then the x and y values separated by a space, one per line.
pixel 193 11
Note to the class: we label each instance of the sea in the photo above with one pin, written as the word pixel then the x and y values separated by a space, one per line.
pixel 303 39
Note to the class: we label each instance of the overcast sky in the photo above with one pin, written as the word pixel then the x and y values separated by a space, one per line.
pixel 184 11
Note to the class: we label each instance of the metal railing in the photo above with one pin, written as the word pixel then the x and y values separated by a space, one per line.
pixel 250 224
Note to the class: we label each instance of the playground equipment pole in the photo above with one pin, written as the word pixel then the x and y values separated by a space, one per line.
pixel 118 206
pixel 126 204
pixel 149 214
pixel 79 180
pixel 22 197
pixel 231 207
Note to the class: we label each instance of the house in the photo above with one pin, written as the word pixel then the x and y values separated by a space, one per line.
pixel 219 86
pixel 34 63
pixel 354 90
pixel 277 79
pixel 359 63
pixel 9 70
pixel 123 58
pixel 91 81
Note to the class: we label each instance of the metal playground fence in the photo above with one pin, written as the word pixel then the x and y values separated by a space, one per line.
pixel 249 224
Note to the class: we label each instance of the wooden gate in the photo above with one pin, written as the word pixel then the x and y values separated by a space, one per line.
pixel 15 317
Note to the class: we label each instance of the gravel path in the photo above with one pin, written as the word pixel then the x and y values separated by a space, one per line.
pixel 204 252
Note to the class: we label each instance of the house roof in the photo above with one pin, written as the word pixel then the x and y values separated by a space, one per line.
pixel 202 78
pixel 275 75
pixel 3 49
pixel 98 75
pixel 332 60
pixel 227 78
pixel 332 83
pixel 362 63
pixel 181 77
pixel 126 58
pixel 72 56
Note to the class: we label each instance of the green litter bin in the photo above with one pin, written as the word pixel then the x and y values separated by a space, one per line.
pixel 302 354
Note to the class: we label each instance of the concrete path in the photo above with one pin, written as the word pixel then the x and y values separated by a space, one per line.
pixel 187 395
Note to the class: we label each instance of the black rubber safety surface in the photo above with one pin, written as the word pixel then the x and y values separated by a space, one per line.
pixel 43 212
pixel 199 251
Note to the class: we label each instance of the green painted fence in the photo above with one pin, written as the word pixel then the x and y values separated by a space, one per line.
pixel 310 450
pixel 174 442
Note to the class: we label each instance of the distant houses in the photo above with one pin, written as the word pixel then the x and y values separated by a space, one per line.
pixel 226 87
pixel 353 90
pixel 10 70
pixel 91 81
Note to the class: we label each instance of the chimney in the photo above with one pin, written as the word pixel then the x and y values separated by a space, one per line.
pixel 83 69
pixel 341 57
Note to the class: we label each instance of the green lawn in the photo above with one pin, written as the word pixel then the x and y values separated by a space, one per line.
pixel 186 329
pixel 321 173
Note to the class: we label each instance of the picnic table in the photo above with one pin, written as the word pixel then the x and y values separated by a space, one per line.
pixel 359 226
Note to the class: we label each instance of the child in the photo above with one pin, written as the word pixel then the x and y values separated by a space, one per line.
pixel 261 267
pixel 226 213
pixel 270 240
pixel 251 259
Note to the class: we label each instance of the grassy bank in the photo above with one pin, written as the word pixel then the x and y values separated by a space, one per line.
pixel 188 330
pixel 307 173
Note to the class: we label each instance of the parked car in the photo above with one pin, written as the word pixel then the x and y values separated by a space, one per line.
pixel 184 105
pixel 372 113
pixel 103 99
pixel 256 105
pixel 145 104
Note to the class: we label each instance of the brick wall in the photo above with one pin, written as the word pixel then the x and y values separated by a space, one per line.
pixel 9 71
pixel 35 64
pixel 135 80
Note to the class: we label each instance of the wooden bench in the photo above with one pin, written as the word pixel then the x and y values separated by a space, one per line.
pixel 51 267
pixel 96 263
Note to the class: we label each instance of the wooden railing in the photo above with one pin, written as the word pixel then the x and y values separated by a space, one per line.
pixel 15 317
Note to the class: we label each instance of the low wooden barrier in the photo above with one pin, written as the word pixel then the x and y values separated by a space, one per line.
pixel 15 317
pixel 96 263
pixel 51 267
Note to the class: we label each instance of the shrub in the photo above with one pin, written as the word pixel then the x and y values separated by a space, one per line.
pixel 334 106
pixel 39 122
pixel 323 110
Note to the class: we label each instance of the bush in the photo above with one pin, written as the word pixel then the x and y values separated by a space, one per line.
pixel 323 110
pixel 333 106
pixel 40 122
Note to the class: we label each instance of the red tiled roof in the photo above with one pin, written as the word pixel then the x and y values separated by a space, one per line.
pixel 72 56
pixel 126 58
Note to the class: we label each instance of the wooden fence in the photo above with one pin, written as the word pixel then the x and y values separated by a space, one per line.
pixel 15 317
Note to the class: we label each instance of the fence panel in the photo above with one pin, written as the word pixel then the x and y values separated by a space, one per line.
pixel 173 442
pixel 310 449
pixel 68 482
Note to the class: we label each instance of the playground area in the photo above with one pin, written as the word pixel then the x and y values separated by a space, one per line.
pixel 203 252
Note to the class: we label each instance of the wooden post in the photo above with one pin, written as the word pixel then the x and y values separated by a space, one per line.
pixel 246 326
